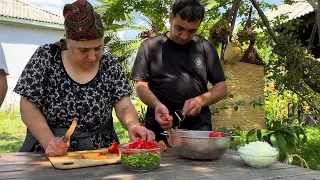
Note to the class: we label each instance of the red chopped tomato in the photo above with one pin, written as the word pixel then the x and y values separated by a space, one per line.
pixel 142 144
pixel 114 148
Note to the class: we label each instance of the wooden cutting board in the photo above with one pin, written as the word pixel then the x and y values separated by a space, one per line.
pixel 80 159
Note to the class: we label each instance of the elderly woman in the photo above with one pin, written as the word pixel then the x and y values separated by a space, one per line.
pixel 75 79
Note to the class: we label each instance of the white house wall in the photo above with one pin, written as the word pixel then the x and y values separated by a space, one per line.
pixel 18 44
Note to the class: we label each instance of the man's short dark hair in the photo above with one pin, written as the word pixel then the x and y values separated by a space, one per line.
pixel 189 10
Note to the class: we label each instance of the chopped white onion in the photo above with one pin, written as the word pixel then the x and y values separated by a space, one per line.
pixel 258 153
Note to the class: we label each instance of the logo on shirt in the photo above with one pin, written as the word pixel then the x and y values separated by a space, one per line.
pixel 197 61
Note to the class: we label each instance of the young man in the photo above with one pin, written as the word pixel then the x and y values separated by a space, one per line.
pixel 172 70
pixel 3 80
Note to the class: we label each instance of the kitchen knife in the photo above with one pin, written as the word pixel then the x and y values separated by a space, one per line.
pixel 68 134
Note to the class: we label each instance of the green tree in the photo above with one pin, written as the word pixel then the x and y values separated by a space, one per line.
pixel 119 15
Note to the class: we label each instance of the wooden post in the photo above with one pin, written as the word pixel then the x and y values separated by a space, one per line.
pixel 313 34
pixel 264 19
pixel 290 110
pixel 318 19
pixel 231 19
pixel 234 13
pixel 223 49
pixel 290 114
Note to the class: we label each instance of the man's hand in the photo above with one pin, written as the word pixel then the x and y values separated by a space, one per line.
pixel 162 115
pixel 57 147
pixel 191 107
pixel 137 131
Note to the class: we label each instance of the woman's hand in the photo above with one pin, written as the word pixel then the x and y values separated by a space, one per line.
pixel 56 147
pixel 137 131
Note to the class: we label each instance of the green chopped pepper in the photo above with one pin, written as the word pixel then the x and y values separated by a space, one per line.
pixel 141 160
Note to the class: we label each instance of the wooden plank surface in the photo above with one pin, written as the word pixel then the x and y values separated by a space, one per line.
pixel 230 167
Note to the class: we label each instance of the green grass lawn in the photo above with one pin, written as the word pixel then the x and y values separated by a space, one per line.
pixel 12 132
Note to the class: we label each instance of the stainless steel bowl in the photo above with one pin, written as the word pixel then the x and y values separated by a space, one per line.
pixel 198 145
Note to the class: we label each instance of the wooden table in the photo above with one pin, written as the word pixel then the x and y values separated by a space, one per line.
pixel 36 166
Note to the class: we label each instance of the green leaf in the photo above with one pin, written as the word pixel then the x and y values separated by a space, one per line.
pixel 259 134
pixel 266 138
pixel 250 134
pixel 280 140
pixel 266 132
pixel 290 148
pixel 210 4
pixel 298 132
pixel 223 129
pixel 236 108
pixel 276 124
pixel 289 131
pixel 290 138
pixel 301 131
pixel 273 140
pixel 304 139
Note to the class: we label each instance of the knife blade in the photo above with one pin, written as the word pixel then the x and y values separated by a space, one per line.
pixel 68 134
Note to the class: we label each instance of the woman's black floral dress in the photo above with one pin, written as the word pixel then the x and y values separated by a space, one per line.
pixel 45 82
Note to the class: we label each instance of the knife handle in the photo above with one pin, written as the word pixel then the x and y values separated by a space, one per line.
pixel 64 139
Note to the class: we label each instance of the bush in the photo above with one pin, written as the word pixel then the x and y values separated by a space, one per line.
pixel 276 103
pixel 310 151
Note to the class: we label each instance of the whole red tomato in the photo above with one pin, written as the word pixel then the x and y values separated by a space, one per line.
pixel 215 134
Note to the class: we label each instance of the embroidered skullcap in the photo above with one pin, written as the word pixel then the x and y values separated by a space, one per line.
pixel 81 22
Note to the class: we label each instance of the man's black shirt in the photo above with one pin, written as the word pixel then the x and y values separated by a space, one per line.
pixel 176 73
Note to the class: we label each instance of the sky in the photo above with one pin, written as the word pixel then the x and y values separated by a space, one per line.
pixel 56 7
